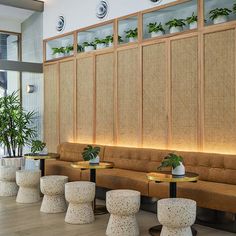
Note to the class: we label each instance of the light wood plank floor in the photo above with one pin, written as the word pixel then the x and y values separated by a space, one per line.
pixel 26 220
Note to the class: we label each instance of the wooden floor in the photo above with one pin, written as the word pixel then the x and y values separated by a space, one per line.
pixel 26 220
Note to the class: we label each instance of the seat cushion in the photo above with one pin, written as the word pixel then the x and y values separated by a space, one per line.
pixel 120 179
pixel 211 195
pixel 58 167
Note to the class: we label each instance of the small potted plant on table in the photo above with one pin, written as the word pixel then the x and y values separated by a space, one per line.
pixel 132 35
pixel 88 47
pixel 90 154
pixel 219 15
pixel 192 21
pixel 175 162
pixel 175 25
pixel 38 148
pixel 155 29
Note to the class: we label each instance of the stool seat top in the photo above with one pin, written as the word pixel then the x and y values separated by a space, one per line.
pixel 124 193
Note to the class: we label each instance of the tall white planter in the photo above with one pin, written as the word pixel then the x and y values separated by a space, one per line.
pixel 179 170
pixel 220 19
pixel 17 162
pixel 156 34
pixel 176 29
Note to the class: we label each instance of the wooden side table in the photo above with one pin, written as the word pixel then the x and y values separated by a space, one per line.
pixel 85 165
pixel 42 159
pixel 166 176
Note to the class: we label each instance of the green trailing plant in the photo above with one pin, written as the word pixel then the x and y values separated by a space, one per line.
pixel 175 23
pixel 99 41
pixel 219 12
pixel 58 50
pixel 192 18
pixel 87 44
pixel 132 33
pixel 16 125
pixel 154 27
pixel 172 160
pixel 69 49
pixel 90 152
pixel 37 146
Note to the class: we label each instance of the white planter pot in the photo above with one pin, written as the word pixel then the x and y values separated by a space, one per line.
pixel 17 162
pixel 156 34
pixel 69 53
pixel 101 46
pixel 179 170
pixel 193 25
pixel 176 29
pixel 110 44
pixel 88 48
pixel 220 19
pixel 95 160
pixel 132 40
pixel 58 55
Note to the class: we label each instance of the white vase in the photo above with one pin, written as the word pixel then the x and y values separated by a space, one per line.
pixel 179 170
pixel 110 44
pixel 175 29
pixel 156 34
pixel 100 46
pixel 220 19
pixel 193 25
pixel 58 55
pixel 95 160
pixel 132 40
pixel 17 162
pixel 88 48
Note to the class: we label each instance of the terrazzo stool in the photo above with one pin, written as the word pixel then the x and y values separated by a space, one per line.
pixel 122 205
pixel 8 186
pixel 176 215
pixel 80 195
pixel 28 181
pixel 53 188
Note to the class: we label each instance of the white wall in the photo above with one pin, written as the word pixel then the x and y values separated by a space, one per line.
pixel 10 25
pixel 81 13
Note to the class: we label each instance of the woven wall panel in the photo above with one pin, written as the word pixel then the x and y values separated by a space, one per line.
pixel 184 100
pixel 66 101
pixel 51 136
pixel 154 96
pixel 85 100
pixel 104 98
pixel 219 89
pixel 128 97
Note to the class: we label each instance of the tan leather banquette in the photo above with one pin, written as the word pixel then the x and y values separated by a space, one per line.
pixel 216 188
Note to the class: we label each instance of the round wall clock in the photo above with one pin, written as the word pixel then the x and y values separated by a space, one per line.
pixel 60 25
pixel 102 9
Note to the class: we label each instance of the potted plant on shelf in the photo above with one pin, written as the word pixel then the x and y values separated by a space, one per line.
pixel 234 8
pixel 192 21
pixel 219 15
pixel 155 29
pixel 16 129
pixel 175 25
pixel 69 50
pixel 132 35
pixel 100 43
pixel 88 46
pixel 110 39
pixel 175 162
pixel 58 52
pixel 80 48
pixel 38 147
pixel 90 154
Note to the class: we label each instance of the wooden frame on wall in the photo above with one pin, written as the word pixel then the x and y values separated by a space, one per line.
pixel 167 39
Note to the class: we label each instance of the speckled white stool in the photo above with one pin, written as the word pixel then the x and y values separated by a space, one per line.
pixel 28 181
pixel 8 186
pixel 176 215
pixel 53 188
pixel 80 195
pixel 122 205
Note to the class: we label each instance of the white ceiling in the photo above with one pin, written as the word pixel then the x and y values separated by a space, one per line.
pixel 14 14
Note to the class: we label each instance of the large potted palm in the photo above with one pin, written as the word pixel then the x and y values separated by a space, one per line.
pixel 16 129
